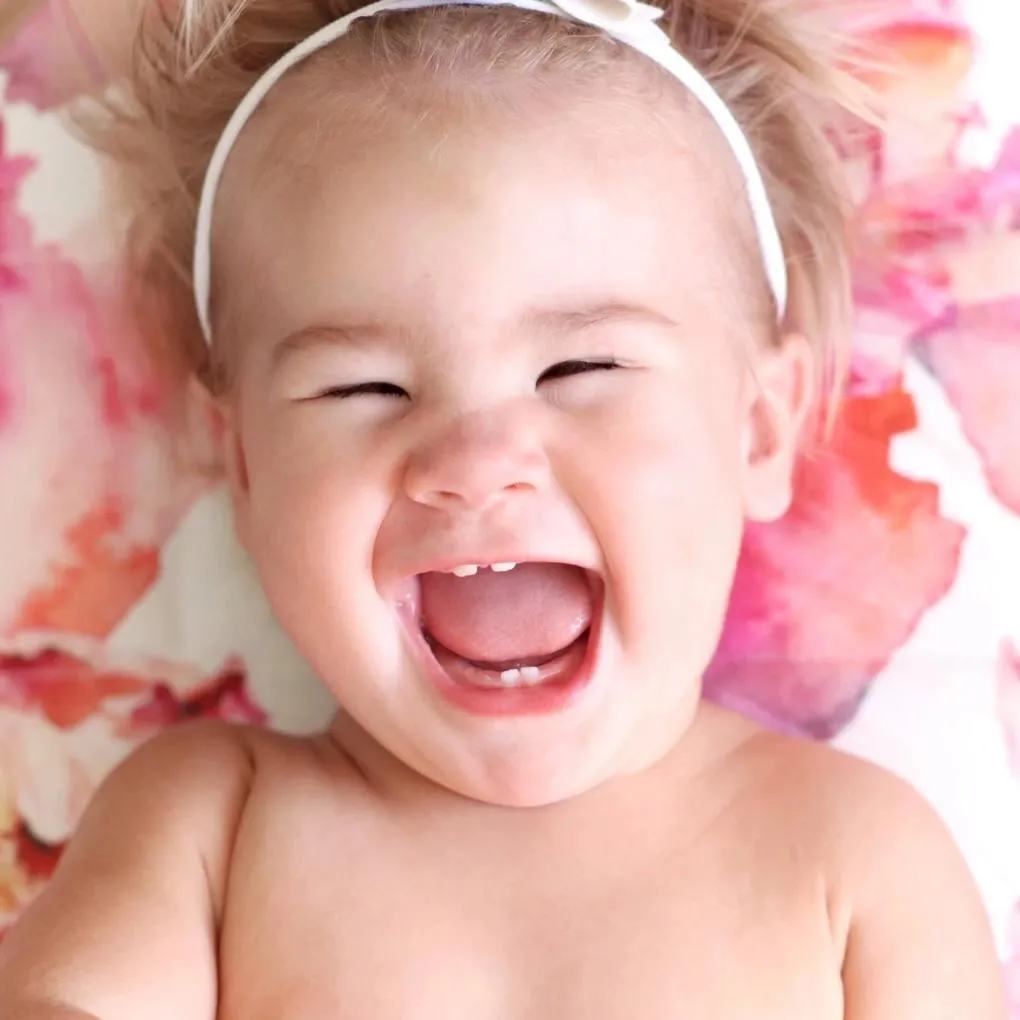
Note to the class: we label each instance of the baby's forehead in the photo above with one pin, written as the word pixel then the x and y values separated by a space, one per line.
pixel 348 90
pixel 336 111
pixel 333 128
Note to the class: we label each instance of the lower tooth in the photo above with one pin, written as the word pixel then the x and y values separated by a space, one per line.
pixel 510 677
pixel 530 674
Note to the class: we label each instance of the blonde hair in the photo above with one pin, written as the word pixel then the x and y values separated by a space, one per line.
pixel 781 72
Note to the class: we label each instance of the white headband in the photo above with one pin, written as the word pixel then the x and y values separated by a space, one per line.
pixel 628 21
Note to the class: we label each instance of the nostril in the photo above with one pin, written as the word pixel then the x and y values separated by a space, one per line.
pixel 473 482
pixel 437 497
pixel 449 496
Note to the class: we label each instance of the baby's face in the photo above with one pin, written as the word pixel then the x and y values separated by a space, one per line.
pixel 498 340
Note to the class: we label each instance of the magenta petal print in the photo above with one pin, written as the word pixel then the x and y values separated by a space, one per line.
pixel 83 518
pixel 824 597
pixel 976 355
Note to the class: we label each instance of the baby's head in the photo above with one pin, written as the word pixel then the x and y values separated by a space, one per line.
pixel 488 288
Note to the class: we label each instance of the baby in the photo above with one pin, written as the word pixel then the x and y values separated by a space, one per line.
pixel 516 312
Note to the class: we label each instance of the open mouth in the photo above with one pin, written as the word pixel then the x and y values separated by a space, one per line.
pixel 509 639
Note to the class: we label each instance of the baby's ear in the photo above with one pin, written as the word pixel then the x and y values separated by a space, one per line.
pixel 782 391
pixel 220 415
pixel 236 464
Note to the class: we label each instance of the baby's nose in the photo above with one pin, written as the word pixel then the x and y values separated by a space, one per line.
pixel 476 461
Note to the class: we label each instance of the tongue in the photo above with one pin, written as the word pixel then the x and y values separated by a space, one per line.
pixel 525 615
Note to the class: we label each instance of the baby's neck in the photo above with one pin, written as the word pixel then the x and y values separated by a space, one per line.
pixel 712 737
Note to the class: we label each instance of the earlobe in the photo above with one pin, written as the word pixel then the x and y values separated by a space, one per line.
pixel 781 401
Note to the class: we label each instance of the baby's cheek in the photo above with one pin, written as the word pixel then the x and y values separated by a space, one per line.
pixel 671 449
pixel 673 480
pixel 312 546
pixel 314 502
pixel 294 453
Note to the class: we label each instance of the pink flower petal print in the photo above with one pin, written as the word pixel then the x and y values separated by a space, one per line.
pixel 930 53
pixel 91 485
pixel 37 860
pixel 90 593
pixel 929 56
pixel 225 697
pixel 927 245
pixel 825 596
pixel 49 60
pixel 71 708
pixel 976 356
pixel 62 687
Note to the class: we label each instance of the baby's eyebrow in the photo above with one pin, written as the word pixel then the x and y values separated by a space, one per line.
pixel 545 319
pixel 571 318
pixel 350 336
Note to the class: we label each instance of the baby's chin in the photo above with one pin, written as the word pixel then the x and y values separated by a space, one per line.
pixel 535 769
pixel 625 714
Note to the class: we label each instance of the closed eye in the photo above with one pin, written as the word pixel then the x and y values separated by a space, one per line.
pixel 366 389
pixel 565 369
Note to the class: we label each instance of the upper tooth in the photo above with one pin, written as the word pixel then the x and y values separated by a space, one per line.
pixel 468 570
pixel 502 568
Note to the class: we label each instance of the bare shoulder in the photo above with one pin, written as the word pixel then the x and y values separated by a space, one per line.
pixel 141 883
pixel 871 823
pixel 189 782
pixel 194 741
pixel 841 793
pixel 907 920
pixel 200 761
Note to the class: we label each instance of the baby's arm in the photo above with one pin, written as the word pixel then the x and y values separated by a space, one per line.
pixel 919 946
pixel 127 930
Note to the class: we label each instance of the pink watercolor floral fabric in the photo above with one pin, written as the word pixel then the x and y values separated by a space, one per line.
pixel 883 613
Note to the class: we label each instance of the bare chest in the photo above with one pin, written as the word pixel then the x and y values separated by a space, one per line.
pixel 389 930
